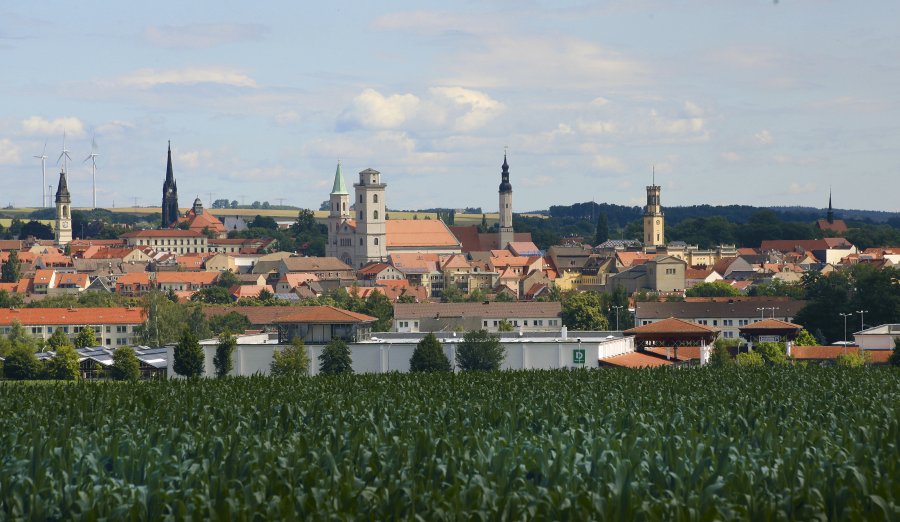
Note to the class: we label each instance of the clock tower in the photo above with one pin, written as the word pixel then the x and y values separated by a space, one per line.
pixel 654 220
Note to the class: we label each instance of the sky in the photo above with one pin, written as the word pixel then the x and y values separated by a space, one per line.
pixel 733 101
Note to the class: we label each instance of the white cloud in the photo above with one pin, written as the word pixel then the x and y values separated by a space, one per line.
pixel 150 78
pixel 764 137
pixel 39 126
pixel 692 109
pixel 192 158
pixel 453 108
pixel 677 126
pixel 608 163
pixel 597 127
pixel 539 181
pixel 804 188
pixel 730 156
pixel 285 118
pixel 381 150
pixel 10 153
pixel 372 110
pixel 115 128
pixel 198 36
pixel 599 101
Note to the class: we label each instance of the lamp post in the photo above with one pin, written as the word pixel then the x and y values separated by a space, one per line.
pixel 773 311
pixel 619 307
pixel 761 311
pixel 862 314
pixel 845 316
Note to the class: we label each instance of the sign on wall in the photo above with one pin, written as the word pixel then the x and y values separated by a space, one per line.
pixel 578 356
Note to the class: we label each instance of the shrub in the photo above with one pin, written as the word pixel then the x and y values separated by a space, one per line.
pixel 291 361
pixel 750 359
pixel 852 359
pixel 894 359
pixel 222 359
pixel 804 338
pixel 480 351
pixel 429 356
pixel 772 353
pixel 721 356
pixel 335 358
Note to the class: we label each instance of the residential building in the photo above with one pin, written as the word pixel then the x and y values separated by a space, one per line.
pixel 444 317
pixel 173 241
pixel 728 315
pixel 113 326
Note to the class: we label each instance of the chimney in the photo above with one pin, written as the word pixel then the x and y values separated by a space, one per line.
pixel 564 332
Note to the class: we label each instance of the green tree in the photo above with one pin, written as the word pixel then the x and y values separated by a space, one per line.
pixel 721 355
pixel 212 295
pixel 292 361
pixel 86 338
pixel 584 311
pixel 17 336
pixel 379 305
pixel 713 289
pixel 264 295
pixel 63 366
pixel 222 359
pixel 189 358
pixel 8 300
pixel 227 279
pixel 125 365
pixel 772 353
pixel 894 359
pixel 602 234
pixel 11 271
pixel 804 338
pixel 21 364
pixel 504 297
pixel 429 356
pixel 263 222
pixel 749 359
pixel 480 351
pixel 452 294
pixel 335 358
pixel 504 326
pixel 232 321
pixel 165 320
pixel 851 360
pixel 57 340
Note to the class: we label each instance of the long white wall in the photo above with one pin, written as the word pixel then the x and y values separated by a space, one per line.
pixel 382 357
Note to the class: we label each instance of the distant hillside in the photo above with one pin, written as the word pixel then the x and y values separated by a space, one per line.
pixel 620 215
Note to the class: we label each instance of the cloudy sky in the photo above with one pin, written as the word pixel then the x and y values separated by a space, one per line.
pixel 744 101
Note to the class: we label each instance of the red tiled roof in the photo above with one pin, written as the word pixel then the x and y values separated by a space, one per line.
pixel 373 268
pixel 71 316
pixel 196 278
pixel 771 324
pixel 636 360
pixel 162 233
pixel 239 291
pixel 134 278
pixel 419 232
pixel 324 314
pixel 671 325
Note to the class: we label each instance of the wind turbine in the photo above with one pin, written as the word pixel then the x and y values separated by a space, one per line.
pixel 93 157
pixel 43 158
pixel 64 155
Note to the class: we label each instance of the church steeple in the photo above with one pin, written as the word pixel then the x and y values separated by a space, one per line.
pixel 506 235
pixel 170 195
pixel 830 216
pixel 63 230
pixel 339 186
pixel 505 186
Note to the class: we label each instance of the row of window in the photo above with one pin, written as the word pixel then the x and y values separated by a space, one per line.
pixel 170 242
pixel 534 322
pixel 35 330
pixel 405 324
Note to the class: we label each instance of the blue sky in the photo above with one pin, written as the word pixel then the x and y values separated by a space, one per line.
pixel 744 101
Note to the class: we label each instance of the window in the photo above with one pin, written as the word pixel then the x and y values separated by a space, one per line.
pixel 485 323
pixel 670 271
pixel 108 341
pixel 360 241
pixel 376 240
pixel 375 215
pixel 360 198
pixel 120 329
pixel 715 322
pixel 375 198
pixel 360 215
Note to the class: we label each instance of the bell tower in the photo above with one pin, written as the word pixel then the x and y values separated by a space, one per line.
pixel 506 223
pixel 370 226
pixel 63 211
pixel 654 220
pixel 170 196
pixel 337 215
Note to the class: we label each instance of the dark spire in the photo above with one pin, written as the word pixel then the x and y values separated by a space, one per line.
pixel 62 191
pixel 170 176
pixel 830 216
pixel 505 186
pixel 170 195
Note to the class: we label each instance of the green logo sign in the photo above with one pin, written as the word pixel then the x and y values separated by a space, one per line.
pixel 578 356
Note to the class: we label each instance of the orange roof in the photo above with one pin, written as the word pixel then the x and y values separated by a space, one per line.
pixel 71 316
pixel 72 279
pixel 419 233
pixel 831 352
pixel 239 291
pixel 191 261
pixel 203 220
pixel 685 353
pixel 632 258
pixel 295 279
pixel 9 287
pixel 134 278
pixel 43 276
pixel 196 278
pixel 636 360
pixel 24 257
pixel 697 273
pixel 324 314
pixel 455 261
pixel 373 268
pixel 771 324
pixel 671 325
pixel 162 233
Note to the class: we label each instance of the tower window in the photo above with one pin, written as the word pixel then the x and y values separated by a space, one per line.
pixel 375 215
pixel 343 206
pixel 376 240
pixel 360 215
pixel 375 198
pixel 360 198
pixel 360 241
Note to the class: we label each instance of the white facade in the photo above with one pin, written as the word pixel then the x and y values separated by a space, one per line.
pixel 253 353
pixel 363 241
pixel 878 338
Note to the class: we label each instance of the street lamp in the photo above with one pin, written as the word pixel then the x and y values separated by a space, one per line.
pixel 773 311
pixel 617 315
pixel 845 316
pixel 761 311
pixel 862 314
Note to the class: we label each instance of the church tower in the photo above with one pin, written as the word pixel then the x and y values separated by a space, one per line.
pixel 654 220
pixel 830 216
pixel 506 222
pixel 170 196
pixel 370 226
pixel 339 212
pixel 63 211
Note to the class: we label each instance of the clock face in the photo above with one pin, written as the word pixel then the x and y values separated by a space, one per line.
pixel 657 221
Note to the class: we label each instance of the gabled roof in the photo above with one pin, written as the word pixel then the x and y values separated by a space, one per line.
pixel 194 278
pixel 636 360
pixel 405 233
pixel 324 314
pixel 671 325
pixel 71 316
pixel 315 264
pixel 771 324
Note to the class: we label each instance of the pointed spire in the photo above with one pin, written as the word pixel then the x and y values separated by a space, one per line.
pixel 170 176
pixel 830 215
pixel 505 186
pixel 62 190
pixel 339 188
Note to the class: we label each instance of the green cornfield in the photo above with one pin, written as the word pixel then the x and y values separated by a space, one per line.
pixel 664 444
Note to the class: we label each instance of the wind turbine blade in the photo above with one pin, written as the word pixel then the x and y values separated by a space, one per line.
pixel 44 152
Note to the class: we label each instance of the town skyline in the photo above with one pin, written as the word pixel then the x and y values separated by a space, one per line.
pixel 767 113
